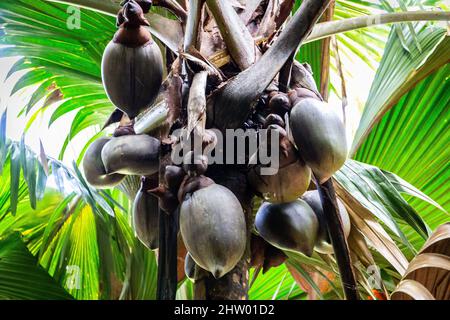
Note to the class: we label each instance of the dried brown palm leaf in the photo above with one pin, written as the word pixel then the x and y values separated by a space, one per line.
pixel 359 248
pixel 284 12
pixel 372 230
pixel 210 39
pixel 238 39
pixel 250 7
pixel 326 55
pixel 268 25
pixel 428 274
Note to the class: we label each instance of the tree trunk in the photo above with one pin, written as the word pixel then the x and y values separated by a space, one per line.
pixel 232 286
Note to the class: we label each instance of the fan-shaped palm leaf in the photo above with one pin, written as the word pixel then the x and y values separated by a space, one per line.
pixel 20 275
pixel 428 274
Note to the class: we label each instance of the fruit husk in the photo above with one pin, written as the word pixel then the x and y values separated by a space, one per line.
pixel 289 226
pixel 191 184
pixel 95 171
pixel 287 185
pixel 274 257
pixel 192 271
pixel 302 78
pixel 213 228
pixel 280 103
pixel 264 255
pixel 258 248
pixel 320 137
pixel 296 95
pixel 323 244
pixel 174 176
pixel 132 77
pixel 291 180
pixel 132 155
pixel 146 218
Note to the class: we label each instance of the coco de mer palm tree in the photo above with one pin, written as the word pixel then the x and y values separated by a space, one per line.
pixel 241 77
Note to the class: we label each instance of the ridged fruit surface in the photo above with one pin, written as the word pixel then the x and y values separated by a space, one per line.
pixel 146 219
pixel 289 226
pixel 132 155
pixel 213 227
pixel 323 244
pixel 93 167
pixel 320 137
pixel 132 76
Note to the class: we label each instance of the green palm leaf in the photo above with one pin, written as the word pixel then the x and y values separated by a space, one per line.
pixel 60 61
pixel 414 131
pixel 399 71
pixel 85 240
pixel 20 275
pixel 276 284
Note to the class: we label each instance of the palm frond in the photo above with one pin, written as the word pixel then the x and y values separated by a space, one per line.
pixel 411 140
pixel 19 269
pixel 428 274
pixel 398 72
pixel 85 239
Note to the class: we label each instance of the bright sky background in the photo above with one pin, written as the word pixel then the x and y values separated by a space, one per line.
pixel 53 137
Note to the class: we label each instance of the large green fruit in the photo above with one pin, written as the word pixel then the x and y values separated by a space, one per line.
pixel 289 183
pixel 213 228
pixel 132 64
pixel 289 226
pixel 323 244
pixel 132 155
pixel 320 137
pixel 93 167
pixel 146 219
pixel 290 179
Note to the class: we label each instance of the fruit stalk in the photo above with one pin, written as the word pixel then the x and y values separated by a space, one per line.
pixel 338 240
pixel 168 222
pixel 284 78
pixel 168 238
pixel 173 7
pixel 234 102
pixel 192 24
pixel 238 39
pixel 197 104
pixel 167 256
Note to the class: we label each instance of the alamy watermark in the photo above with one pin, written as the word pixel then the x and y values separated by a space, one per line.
pixel 73 280
pixel 250 147
pixel 73 21
pixel 374 278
